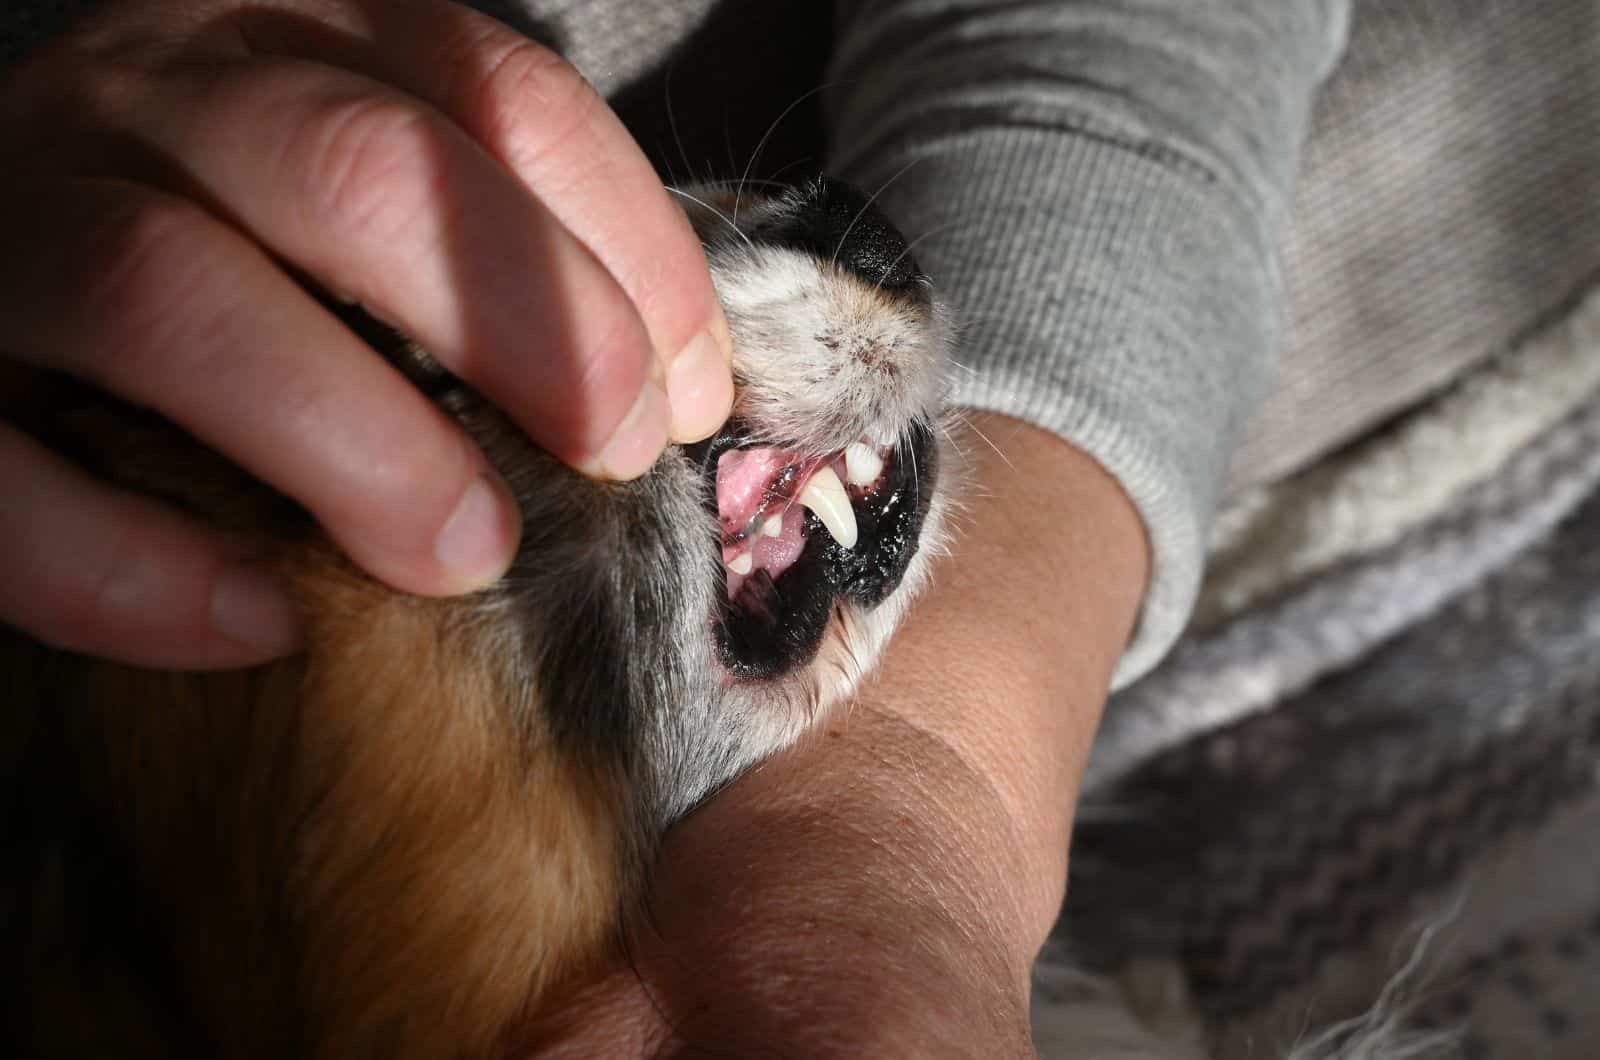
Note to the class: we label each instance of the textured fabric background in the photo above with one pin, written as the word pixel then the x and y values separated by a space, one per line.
pixel 1287 862
pixel 1448 200
pixel 1326 624
pixel 1366 787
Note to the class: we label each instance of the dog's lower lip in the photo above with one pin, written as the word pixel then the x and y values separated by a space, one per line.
pixel 768 624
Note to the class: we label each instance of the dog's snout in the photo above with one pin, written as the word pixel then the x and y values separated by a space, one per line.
pixel 838 224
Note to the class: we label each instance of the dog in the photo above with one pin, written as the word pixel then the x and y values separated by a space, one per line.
pixel 411 837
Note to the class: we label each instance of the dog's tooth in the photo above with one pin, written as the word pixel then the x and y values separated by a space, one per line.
pixel 862 464
pixel 743 563
pixel 825 495
pixel 773 526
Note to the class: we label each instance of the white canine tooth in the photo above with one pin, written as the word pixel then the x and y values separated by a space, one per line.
pixel 825 495
pixel 862 464
pixel 773 526
pixel 743 563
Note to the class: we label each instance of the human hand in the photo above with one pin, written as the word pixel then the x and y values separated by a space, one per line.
pixel 173 167
pixel 883 888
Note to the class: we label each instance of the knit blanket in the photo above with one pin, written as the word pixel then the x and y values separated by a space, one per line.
pixel 1355 813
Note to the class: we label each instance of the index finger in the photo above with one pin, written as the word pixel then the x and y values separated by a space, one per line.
pixel 537 115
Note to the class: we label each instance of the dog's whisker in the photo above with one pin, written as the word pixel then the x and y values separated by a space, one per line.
pixel 672 115
pixel 949 437
pixel 720 215
pixel 756 182
pixel 761 144
pixel 975 429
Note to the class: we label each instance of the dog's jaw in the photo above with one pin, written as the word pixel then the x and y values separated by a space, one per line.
pixel 407 840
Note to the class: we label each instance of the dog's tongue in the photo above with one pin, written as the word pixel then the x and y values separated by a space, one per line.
pixel 745 478
pixel 762 527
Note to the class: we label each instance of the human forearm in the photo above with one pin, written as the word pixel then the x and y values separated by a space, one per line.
pixel 882 888
pixel 1004 666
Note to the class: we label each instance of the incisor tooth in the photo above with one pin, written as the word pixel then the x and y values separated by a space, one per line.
pixel 743 563
pixel 773 526
pixel 862 464
pixel 825 495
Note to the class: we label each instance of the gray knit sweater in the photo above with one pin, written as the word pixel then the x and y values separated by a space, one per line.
pixel 1097 186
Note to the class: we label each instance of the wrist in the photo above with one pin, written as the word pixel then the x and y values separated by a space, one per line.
pixel 886 884
pixel 1005 665
pixel 929 821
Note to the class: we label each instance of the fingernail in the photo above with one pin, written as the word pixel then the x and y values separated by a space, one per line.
pixel 700 389
pixel 638 440
pixel 252 608
pixel 477 541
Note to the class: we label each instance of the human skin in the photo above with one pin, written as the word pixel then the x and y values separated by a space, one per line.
pixel 174 167
pixel 883 888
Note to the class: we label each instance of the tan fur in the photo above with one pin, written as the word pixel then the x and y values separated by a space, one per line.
pixel 373 849
pixel 458 883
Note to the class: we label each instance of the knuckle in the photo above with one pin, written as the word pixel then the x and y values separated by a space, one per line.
pixel 658 282
pixel 417 461
pixel 611 364
pixel 361 163
pixel 146 262
pixel 95 606
pixel 530 102
pixel 405 481
pixel 387 465
pixel 101 604
pixel 529 71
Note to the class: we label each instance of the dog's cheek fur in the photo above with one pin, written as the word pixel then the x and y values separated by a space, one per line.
pixel 452 888
pixel 362 852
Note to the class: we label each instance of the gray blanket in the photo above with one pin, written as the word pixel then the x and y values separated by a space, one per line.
pixel 1364 788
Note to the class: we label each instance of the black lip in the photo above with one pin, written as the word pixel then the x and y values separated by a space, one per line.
pixel 779 625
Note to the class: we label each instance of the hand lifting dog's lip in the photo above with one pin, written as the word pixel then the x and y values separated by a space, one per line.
pixel 444 806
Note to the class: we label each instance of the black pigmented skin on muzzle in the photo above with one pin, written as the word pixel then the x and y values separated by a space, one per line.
pixel 778 625
pixel 836 223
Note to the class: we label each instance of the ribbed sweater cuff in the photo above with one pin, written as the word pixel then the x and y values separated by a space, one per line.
pixel 1108 291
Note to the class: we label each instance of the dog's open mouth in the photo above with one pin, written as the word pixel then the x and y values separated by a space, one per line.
pixel 801 530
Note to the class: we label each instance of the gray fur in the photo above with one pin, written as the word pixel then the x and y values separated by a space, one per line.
pixel 610 604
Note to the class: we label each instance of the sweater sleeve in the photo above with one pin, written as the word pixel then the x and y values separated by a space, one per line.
pixel 1097 186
